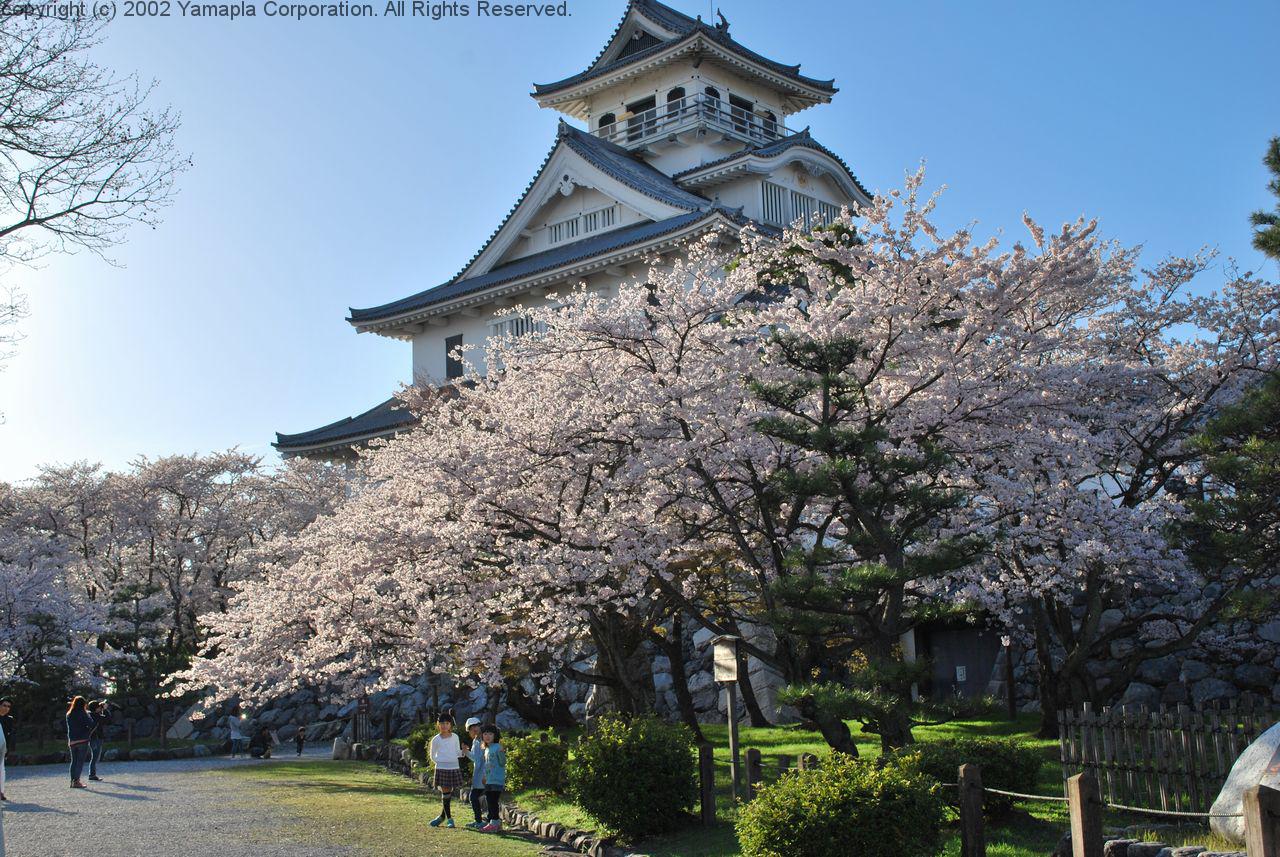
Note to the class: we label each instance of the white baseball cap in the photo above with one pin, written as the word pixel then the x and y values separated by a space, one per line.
pixel 472 721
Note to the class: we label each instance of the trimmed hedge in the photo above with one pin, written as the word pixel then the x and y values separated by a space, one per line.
pixel 1007 763
pixel 844 807
pixel 637 777
pixel 536 762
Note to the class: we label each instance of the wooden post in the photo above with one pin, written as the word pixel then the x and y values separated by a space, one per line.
pixel 1010 686
pixel 707 784
pixel 1262 821
pixel 731 688
pixel 973 841
pixel 808 762
pixel 755 776
pixel 784 763
pixel 164 736
pixel 1086 815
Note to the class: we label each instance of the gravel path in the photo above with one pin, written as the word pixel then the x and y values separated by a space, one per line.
pixel 148 809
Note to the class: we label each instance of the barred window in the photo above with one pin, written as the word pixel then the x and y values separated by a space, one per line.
pixel 776 210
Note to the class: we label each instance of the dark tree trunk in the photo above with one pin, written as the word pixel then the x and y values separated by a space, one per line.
pixel 834 730
pixel 754 712
pixel 673 648
pixel 624 663
pixel 545 711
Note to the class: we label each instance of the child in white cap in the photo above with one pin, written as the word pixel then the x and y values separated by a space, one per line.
pixel 477 774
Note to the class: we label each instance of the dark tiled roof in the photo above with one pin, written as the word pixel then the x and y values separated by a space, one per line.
pixel 547 260
pixel 629 169
pixel 382 419
pixel 687 28
pixel 613 160
pixel 770 150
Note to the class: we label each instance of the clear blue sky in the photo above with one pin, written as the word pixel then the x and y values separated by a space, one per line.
pixel 351 162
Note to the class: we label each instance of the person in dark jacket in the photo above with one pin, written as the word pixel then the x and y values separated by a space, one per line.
pixel 261 743
pixel 80 726
pixel 300 738
pixel 101 711
pixel 7 739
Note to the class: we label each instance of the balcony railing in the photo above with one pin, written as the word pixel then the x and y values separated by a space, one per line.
pixel 688 113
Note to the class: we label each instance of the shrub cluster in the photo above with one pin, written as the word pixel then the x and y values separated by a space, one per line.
pixel 418 741
pixel 636 777
pixel 536 762
pixel 1007 763
pixel 844 807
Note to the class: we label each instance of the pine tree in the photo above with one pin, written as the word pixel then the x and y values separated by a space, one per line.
pixel 1267 236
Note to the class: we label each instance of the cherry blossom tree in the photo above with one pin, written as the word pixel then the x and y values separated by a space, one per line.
pixel 829 433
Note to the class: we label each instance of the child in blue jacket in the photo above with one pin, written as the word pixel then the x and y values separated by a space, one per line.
pixel 495 773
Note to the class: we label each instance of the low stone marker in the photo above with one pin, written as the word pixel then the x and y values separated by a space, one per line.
pixel 1258 765
pixel 341 749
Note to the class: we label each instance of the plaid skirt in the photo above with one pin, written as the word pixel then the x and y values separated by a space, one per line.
pixel 448 778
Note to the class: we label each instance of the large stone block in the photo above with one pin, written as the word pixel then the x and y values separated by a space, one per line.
pixel 1138 693
pixel 1270 631
pixel 1210 689
pixel 1258 765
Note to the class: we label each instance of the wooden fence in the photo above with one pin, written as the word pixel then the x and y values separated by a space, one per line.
pixel 1174 759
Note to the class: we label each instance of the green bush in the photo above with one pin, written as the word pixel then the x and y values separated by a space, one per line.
pixel 846 806
pixel 536 762
pixel 1006 763
pixel 636 777
pixel 418 741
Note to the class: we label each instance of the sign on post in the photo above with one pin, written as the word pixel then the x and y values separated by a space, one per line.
pixel 724 657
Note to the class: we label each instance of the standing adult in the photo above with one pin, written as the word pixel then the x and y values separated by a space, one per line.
pixel 101 711
pixel 236 726
pixel 80 725
pixel 7 736
pixel 300 738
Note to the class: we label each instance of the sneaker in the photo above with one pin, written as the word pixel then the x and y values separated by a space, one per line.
pixel 95 779
pixel 79 786
pixel 492 827
pixel 475 825
pixel 437 821
pixel 448 822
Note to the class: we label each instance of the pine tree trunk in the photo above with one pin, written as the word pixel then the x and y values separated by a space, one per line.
pixel 754 711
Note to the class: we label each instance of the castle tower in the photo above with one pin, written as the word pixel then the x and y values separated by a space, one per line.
pixel 675 129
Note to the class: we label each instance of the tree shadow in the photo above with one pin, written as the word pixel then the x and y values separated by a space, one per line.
pixel 14 806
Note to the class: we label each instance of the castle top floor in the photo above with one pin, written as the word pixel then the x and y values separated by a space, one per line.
pixel 665 82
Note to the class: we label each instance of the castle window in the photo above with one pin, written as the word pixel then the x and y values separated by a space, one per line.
pixel 570 228
pixel 802 208
pixel 770 123
pixel 674 98
pixel 607 119
pixel 743 112
pixel 644 118
pixel 828 213
pixel 452 365
pixel 776 208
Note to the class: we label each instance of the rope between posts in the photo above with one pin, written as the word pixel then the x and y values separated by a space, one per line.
pixel 1025 797
pixel 1176 814
pixel 1120 806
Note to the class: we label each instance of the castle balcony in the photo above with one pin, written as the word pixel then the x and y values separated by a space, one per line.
pixel 679 121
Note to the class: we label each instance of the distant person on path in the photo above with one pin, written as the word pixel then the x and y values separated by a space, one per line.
pixel 80 725
pixel 7 737
pixel 477 772
pixel 101 712
pixel 261 743
pixel 495 773
pixel 235 723
pixel 300 738
pixel 446 750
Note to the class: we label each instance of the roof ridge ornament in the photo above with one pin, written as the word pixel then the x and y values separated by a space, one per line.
pixel 723 26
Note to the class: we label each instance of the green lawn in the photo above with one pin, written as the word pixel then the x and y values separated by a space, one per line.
pixel 378 814
pixel 1032 830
